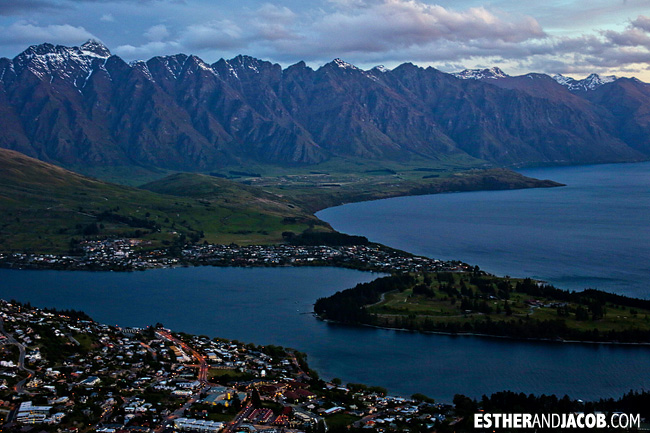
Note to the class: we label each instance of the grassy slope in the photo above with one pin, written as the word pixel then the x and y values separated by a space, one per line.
pixel 345 180
pixel 341 181
pixel 42 207
pixel 316 192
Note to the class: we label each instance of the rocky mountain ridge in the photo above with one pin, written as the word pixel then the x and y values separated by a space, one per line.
pixel 82 106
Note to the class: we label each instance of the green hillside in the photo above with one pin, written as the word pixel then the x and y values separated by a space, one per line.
pixel 44 208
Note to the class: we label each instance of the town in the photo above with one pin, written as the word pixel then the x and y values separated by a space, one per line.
pixel 131 254
pixel 61 371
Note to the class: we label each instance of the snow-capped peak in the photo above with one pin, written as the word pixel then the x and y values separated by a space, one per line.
pixel 592 82
pixel 561 79
pixel 381 68
pixel 343 65
pixel 71 64
pixel 95 48
pixel 599 81
pixel 493 73
pixel 142 66
pixel 244 63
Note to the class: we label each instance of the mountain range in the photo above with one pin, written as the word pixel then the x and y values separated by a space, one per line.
pixel 83 107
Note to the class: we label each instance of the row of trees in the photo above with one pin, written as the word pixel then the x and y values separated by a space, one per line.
pixel 587 297
pixel 348 306
pixel 525 328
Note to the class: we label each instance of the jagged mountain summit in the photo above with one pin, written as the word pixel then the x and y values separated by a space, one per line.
pixel 95 47
pixel 493 73
pixel 592 82
pixel 82 107
pixel 380 68
pixel 65 63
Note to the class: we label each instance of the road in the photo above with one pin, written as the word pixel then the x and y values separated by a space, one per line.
pixel 203 364
pixel 20 386
pixel 153 352
pixel 239 418
pixel 203 379
pixel 303 374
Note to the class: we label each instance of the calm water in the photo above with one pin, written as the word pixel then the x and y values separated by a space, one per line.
pixel 595 232
pixel 271 306
pixel 592 233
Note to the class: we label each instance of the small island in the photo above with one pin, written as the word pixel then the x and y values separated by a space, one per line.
pixel 481 304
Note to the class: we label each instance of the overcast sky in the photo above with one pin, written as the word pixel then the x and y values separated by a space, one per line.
pixel 570 37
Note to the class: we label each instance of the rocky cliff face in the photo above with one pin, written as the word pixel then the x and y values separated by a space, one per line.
pixel 81 105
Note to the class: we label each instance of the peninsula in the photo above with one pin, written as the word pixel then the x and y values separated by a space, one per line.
pixel 478 303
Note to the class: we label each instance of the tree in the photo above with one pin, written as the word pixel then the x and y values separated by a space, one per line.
pixel 464 406
pixel 507 309
pixel 581 313
pixel 597 311
pixel 91 229
pixel 422 398
pixel 255 399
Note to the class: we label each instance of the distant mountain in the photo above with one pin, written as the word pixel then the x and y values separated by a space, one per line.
pixel 481 74
pixel 83 107
pixel 628 102
pixel 592 82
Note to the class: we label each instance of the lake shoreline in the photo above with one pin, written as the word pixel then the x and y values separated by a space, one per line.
pixel 560 235
pixel 472 334
pixel 273 307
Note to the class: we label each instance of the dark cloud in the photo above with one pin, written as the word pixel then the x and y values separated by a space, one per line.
pixel 618 58
pixel 365 32
pixel 642 22
pixel 624 51
pixel 629 38
pixel 384 31
pixel 364 29
pixel 390 23
pixel 18 7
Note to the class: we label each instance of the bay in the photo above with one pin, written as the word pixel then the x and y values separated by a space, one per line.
pixel 272 306
pixel 594 232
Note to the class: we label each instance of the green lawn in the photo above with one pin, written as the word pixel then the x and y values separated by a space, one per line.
pixel 85 340
pixel 340 420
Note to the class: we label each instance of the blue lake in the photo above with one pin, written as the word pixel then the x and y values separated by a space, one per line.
pixel 272 305
pixel 594 232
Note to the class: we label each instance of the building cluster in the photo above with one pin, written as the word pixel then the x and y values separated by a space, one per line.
pixel 93 377
pixel 371 257
pixel 131 254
